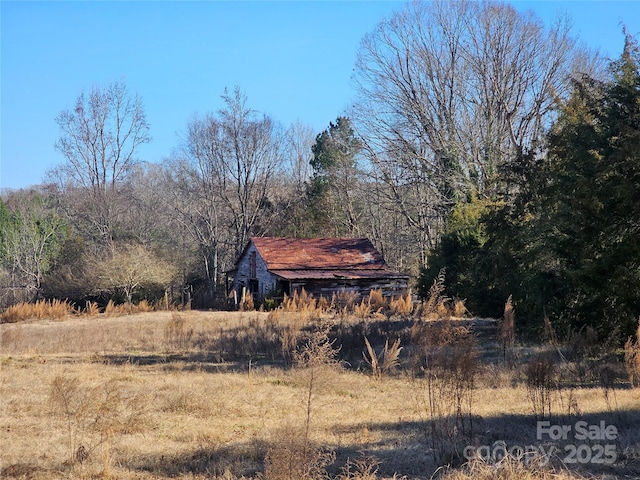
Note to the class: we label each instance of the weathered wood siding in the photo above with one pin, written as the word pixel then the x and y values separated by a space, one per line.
pixel 361 287
pixel 245 275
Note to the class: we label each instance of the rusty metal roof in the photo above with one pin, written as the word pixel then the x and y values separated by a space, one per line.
pixel 319 253
pixel 339 274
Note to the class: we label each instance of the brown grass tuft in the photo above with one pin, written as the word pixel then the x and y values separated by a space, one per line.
pixel 144 307
pixel 110 308
pixel 292 457
pixel 91 309
pixel 362 310
pixel 459 308
pixel 386 360
pixel 246 303
pixel 377 300
pixel 365 467
pixel 299 302
pixel 402 306
pixel 344 300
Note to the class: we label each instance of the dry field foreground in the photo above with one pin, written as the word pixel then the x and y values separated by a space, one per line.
pixel 152 396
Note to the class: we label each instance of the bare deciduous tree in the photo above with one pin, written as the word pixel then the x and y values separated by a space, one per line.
pixel 99 139
pixel 195 208
pixel 236 155
pixel 299 140
pixel 449 91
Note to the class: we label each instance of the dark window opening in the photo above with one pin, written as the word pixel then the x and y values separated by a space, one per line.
pixel 254 288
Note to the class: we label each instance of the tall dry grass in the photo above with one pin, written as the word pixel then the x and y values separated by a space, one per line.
pixel 177 332
pixel 438 306
pixel 632 358
pixel 507 334
pixel 91 309
pixel 376 300
pixel 343 302
pixel 385 361
pixel 42 309
pixel 402 306
pixel 433 306
pixel 363 467
pixel 509 469
pixel 300 301
pixel 291 316
pixel 95 417
pixel 362 310
pixel 63 309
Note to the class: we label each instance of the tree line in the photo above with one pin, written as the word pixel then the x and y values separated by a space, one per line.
pixel 461 150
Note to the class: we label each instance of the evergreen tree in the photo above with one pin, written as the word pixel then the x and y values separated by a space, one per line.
pixel 567 245
pixel 333 190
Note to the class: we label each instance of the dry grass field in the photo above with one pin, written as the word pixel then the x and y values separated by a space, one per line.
pixel 194 395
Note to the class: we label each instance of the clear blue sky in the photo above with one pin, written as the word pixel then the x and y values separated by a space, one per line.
pixel 293 59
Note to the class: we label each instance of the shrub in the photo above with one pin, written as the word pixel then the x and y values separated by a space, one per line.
pixel 269 304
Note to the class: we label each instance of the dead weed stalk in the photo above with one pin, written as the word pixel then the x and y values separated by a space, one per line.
pixel 632 358
pixel 295 455
pixel 448 360
pixel 540 381
pixel 507 335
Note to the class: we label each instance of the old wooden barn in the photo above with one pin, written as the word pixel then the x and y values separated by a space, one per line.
pixel 273 266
